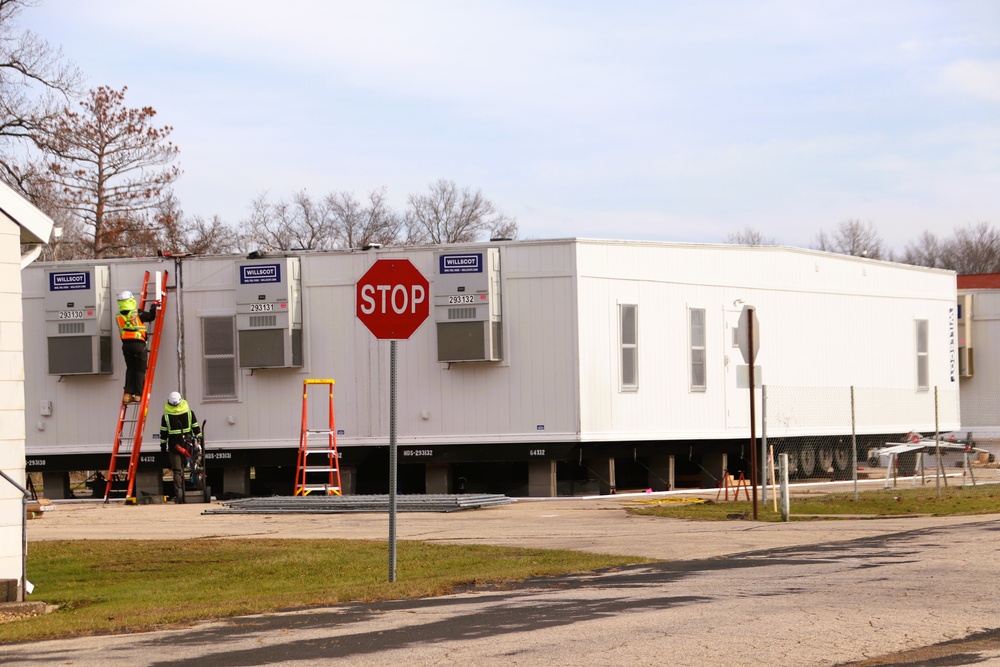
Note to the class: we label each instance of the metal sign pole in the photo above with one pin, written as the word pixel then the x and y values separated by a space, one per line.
pixel 764 461
pixel 391 300
pixel 854 446
pixel 392 461
pixel 753 417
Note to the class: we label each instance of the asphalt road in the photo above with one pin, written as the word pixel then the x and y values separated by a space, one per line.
pixel 730 593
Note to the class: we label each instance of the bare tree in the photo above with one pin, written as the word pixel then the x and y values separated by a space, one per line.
pixel 262 228
pixel 504 228
pixel 750 236
pixel 109 168
pixel 299 224
pixel 927 250
pixel 853 237
pixel 213 236
pixel 35 83
pixel 973 249
pixel 449 215
pixel 311 223
pixel 180 234
pixel 358 225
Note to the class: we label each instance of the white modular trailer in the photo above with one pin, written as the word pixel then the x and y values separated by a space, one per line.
pixel 979 354
pixel 826 321
pixel 583 350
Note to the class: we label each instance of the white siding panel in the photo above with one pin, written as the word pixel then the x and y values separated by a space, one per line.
pixel 826 321
pixel 981 392
pixel 12 408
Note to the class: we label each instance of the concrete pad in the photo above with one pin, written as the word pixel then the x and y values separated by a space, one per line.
pixel 598 525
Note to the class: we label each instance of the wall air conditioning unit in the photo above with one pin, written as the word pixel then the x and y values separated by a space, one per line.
pixel 269 313
pixel 467 305
pixel 78 317
pixel 966 358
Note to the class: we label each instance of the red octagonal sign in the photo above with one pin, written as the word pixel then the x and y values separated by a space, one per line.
pixel 392 299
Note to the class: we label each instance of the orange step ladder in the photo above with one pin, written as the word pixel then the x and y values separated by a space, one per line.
pixel 322 475
pixel 132 416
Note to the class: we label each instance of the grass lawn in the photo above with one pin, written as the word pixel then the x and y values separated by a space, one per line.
pixel 105 587
pixel 980 499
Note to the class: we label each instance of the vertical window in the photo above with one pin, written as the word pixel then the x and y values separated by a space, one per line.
pixel 628 315
pixel 218 340
pixel 697 337
pixel 923 368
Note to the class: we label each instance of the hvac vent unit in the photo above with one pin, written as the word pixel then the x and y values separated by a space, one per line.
pixel 269 313
pixel 467 305
pixel 966 358
pixel 78 319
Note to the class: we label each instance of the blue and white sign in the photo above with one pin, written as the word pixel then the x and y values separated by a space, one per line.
pixel 69 280
pixel 254 274
pixel 467 263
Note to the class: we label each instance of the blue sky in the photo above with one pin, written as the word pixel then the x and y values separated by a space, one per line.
pixel 674 121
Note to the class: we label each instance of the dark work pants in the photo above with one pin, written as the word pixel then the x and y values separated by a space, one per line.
pixel 135 366
pixel 177 468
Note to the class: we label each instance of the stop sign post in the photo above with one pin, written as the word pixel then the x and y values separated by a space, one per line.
pixel 392 301
pixel 748 339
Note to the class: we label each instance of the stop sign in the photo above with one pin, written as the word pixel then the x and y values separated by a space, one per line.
pixel 392 299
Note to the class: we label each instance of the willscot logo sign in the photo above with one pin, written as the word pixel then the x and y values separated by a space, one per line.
pixel 467 263
pixel 59 282
pixel 260 273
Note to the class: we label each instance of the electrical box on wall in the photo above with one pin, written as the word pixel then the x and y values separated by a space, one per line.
pixel 269 313
pixel 467 305
pixel 78 318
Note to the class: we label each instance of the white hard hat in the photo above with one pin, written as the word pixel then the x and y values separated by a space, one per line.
pixel 125 295
pixel 174 398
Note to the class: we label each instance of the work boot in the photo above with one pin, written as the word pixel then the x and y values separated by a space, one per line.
pixel 127 398
pixel 136 398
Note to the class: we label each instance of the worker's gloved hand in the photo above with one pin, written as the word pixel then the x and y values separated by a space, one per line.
pixel 163 448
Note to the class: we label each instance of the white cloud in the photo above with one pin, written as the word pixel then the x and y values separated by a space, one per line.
pixel 974 77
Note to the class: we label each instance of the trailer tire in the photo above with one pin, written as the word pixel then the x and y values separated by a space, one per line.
pixel 824 457
pixel 842 458
pixel 793 460
pixel 807 460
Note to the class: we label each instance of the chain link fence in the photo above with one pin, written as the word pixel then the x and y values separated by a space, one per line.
pixel 876 440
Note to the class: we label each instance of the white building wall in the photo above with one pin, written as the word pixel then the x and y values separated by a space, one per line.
pixel 826 321
pixel 530 395
pixel 11 401
pixel 981 392
pixel 85 407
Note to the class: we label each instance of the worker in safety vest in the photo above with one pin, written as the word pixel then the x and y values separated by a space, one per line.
pixel 132 327
pixel 178 428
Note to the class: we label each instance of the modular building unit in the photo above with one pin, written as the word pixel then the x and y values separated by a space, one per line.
pixel 979 341
pixel 584 352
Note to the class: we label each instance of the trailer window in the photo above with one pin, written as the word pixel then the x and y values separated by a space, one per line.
pixel 218 340
pixel 923 382
pixel 697 337
pixel 628 316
